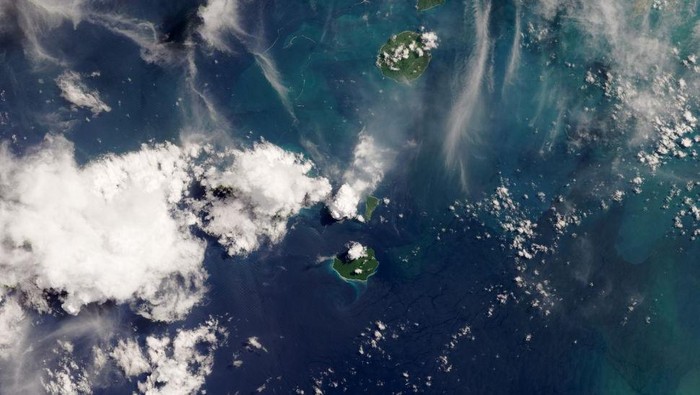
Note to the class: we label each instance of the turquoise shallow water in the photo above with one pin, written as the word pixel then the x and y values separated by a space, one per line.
pixel 509 81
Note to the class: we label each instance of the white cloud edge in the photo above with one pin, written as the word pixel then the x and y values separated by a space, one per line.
pixel 74 90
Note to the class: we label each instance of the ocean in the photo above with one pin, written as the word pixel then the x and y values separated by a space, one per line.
pixel 525 136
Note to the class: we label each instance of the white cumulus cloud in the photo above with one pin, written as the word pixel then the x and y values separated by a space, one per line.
pixel 356 250
pixel 172 365
pixel 100 232
pixel 370 161
pixel 266 186
pixel 119 228
pixel 129 358
pixel 344 203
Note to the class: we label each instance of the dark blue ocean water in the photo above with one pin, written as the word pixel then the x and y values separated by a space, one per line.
pixel 525 127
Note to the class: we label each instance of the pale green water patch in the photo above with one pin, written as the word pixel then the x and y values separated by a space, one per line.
pixel 424 5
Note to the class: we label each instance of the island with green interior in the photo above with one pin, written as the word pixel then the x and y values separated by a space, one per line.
pixel 424 5
pixel 406 55
pixel 371 204
pixel 357 264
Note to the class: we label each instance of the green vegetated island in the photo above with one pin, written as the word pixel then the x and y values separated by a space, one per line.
pixel 406 55
pixel 371 204
pixel 359 269
pixel 428 4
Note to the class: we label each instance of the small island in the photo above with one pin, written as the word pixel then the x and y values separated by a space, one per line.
pixel 406 55
pixel 357 264
pixel 424 5
pixel 371 204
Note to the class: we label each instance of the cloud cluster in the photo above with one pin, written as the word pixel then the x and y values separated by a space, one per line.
pixel 639 67
pixel 356 250
pixel 177 365
pixel 61 358
pixel 13 326
pixel 77 93
pixel 370 161
pixel 79 363
pixel 219 19
pixel 118 228
pixel 257 193
pixel 344 203
pixel 100 232
pixel 121 228
pixel 68 377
